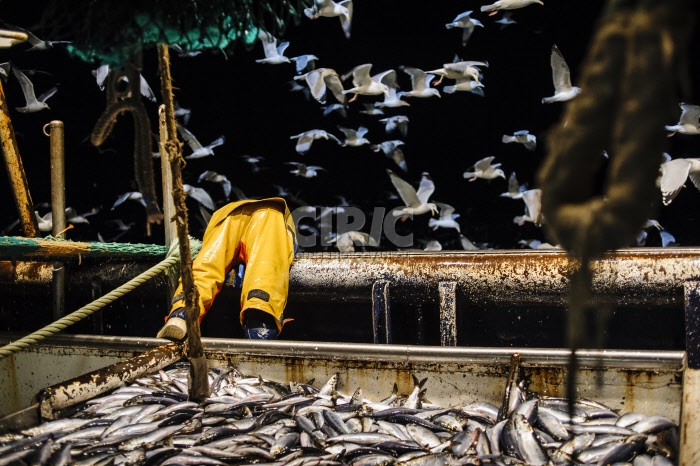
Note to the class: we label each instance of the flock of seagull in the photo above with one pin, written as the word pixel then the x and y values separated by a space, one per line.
pixel 378 92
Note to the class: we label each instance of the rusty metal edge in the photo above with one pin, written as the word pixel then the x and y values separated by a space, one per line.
pixel 625 359
pixel 22 419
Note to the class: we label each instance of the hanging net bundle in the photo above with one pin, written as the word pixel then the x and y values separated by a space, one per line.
pixel 109 31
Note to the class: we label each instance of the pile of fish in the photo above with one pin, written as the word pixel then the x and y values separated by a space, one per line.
pixel 251 420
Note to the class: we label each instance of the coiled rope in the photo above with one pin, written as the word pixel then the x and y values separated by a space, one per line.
pixel 172 258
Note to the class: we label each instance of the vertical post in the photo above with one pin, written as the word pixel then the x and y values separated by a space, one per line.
pixel 448 313
pixel 381 312
pixel 15 171
pixel 690 405
pixel 168 202
pixel 58 211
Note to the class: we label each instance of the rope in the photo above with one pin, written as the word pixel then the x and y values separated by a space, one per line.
pixel 172 258
pixel 198 379
pixel 627 84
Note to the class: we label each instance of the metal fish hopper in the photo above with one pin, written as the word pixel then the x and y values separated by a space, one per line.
pixel 63 371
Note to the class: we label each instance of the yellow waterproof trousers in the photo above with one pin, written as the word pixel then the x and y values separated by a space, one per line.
pixel 261 236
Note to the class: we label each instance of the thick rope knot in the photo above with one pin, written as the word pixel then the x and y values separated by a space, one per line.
pixel 627 90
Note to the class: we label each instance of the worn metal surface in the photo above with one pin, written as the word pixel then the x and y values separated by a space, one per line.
pixel 690 426
pixel 58 211
pixel 649 277
pixel 640 277
pixel 381 312
pixel 692 323
pixel 22 419
pixel 15 171
pixel 646 381
pixel 448 313
pixel 63 395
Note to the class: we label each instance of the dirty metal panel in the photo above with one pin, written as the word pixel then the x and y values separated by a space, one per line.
pixel 645 381
pixel 59 358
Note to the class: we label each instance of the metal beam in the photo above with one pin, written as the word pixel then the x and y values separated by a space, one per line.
pixel 633 277
pixel 648 277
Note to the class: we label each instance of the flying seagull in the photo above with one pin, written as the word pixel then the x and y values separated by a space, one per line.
pixel 198 150
pixel 420 83
pixel 274 54
pixel 365 84
pixel 305 139
pixel 466 23
pixel 447 218
pixel 320 81
pixel 508 5
pixel 416 201
pixel 329 9
pixel 484 169
pixel 674 175
pixel 521 137
pixel 33 103
pixel 688 123
pixel 563 90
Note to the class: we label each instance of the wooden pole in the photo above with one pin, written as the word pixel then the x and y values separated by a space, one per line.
pixel 15 171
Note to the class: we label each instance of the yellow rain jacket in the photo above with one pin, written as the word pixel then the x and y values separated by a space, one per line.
pixel 260 235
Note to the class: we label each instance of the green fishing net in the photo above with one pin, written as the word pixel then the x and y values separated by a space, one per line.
pixel 111 31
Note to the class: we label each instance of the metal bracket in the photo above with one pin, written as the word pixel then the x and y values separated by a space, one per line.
pixel 381 312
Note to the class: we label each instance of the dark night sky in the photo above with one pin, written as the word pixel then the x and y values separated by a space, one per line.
pixel 251 105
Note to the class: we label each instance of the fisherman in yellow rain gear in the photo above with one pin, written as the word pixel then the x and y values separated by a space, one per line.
pixel 254 240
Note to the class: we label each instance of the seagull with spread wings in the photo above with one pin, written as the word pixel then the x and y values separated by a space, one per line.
pixel 521 137
pixel 420 83
pixel 466 23
pixel 533 208
pixel 365 84
pixel 561 76
pixel 459 69
pixel 392 150
pixel 674 174
pixel 305 139
pixel 396 122
pixel 320 81
pixel 33 103
pixel 198 150
pixel 303 170
pixel 391 100
pixel 274 54
pixel 329 9
pixel 446 219
pixel 689 122
pixel 484 169
pixel 218 178
pixel 508 5
pixel 354 137
pixel 416 201
pixel 515 189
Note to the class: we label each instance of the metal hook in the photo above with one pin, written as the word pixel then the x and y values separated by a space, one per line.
pixel 47 133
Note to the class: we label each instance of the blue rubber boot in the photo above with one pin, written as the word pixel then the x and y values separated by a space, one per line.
pixel 259 325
